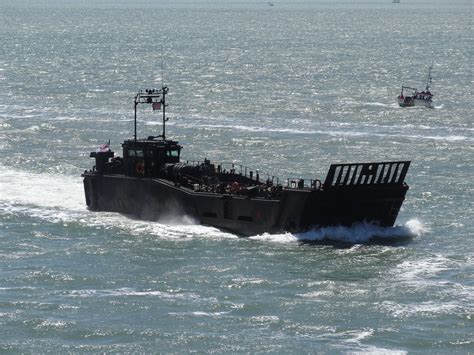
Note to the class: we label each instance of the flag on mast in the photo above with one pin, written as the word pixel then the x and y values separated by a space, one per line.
pixel 156 106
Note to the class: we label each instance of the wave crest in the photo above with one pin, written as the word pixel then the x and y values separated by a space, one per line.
pixel 360 233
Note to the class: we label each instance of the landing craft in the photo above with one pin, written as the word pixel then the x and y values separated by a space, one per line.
pixel 150 181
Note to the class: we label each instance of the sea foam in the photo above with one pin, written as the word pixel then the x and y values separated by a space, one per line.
pixel 357 234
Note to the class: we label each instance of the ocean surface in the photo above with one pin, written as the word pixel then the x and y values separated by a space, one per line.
pixel 288 89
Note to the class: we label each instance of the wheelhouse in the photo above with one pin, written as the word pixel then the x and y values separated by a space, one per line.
pixel 146 157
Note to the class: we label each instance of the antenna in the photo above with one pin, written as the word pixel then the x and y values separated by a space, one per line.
pixel 162 71
pixel 157 98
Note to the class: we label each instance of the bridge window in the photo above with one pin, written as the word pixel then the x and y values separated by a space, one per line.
pixel 135 153
pixel 173 153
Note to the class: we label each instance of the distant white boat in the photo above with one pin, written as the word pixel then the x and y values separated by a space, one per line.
pixel 414 97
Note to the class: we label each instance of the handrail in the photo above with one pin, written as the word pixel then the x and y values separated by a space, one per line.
pixel 299 183
pixel 238 169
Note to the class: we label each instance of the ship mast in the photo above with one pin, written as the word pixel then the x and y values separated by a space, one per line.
pixel 428 79
pixel 156 98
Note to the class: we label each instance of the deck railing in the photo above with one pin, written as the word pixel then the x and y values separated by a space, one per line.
pixel 298 183
pixel 232 168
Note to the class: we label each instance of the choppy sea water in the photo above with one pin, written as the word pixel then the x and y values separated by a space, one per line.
pixel 289 89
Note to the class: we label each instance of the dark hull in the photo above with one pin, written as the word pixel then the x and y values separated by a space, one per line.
pixel 294 210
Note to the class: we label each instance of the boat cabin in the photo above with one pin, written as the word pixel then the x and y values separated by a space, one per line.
pixel 141 157
pixel 146 157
